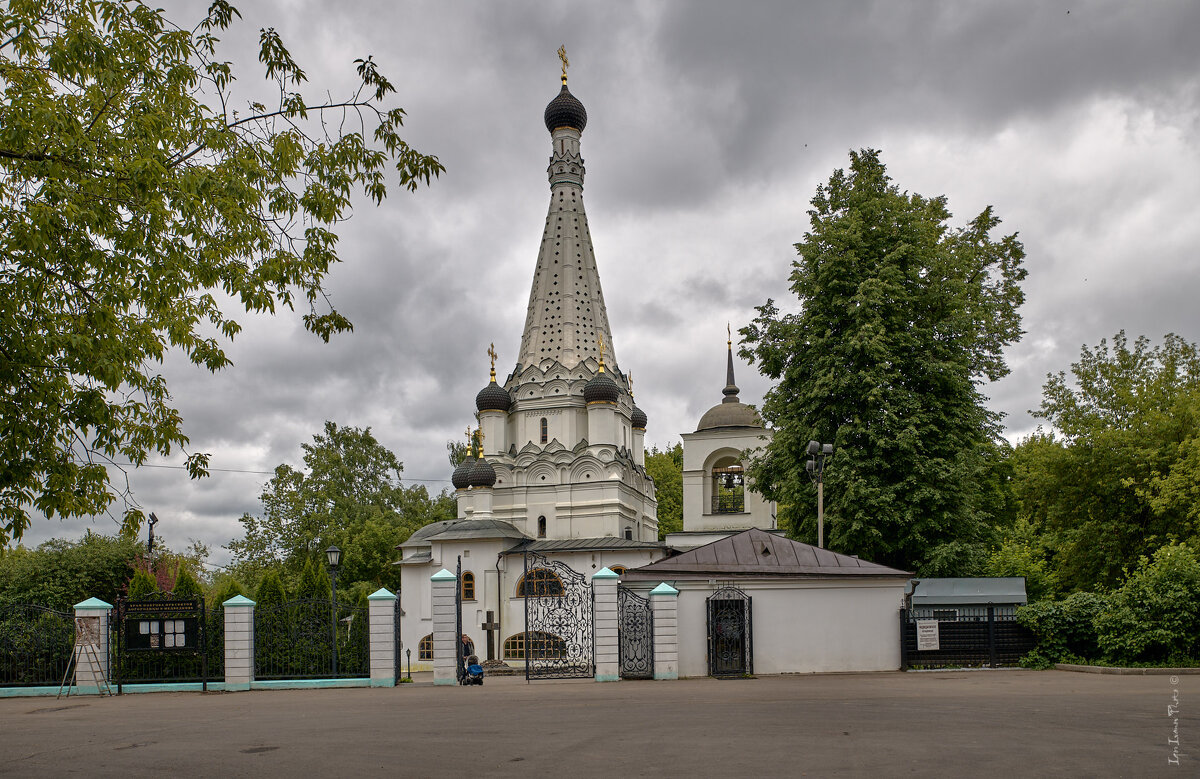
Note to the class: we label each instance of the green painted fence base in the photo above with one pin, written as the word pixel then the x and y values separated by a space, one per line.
pixel 665 675
pixel 389 681
pixel 446 681
pixel 31 692
pixel 607 677
pixel 308 684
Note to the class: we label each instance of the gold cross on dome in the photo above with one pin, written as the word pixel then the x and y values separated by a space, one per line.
pixel 562 55
pixel 600 342
pixel 492 353
pixel 629 381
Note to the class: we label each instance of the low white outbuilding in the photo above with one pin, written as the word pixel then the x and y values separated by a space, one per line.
pixel 756 602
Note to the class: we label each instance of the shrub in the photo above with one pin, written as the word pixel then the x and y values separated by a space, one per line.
pixel 141 585
pixel 270 590
pixel 1065 629
pixel 1155 615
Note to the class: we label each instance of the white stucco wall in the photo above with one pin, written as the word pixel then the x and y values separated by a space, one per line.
pixel 803 626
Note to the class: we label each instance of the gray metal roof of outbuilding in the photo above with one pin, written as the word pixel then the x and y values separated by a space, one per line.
pixel 583 545
pixel 756 552
pixel 975 590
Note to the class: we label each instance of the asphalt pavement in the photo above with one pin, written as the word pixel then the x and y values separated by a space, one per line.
pixel 958 723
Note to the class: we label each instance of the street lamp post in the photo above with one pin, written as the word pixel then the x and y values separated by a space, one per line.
pixel 817 454
pixel 333 556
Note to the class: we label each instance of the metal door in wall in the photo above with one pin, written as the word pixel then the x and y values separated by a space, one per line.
pixel 730 633
pixel 635 635
pixel 559 635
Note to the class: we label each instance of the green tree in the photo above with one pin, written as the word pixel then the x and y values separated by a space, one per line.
pixel 144 203
pixel 666 468
pixel 1116 478
pixel 314 582
pixel 901 319
pixel 225 589
pixel 61 573
pixel 142 584
pixel 349 494
pixel 186 585
pixel 270 590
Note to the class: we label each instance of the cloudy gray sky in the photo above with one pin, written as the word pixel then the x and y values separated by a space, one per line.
pixel 710 126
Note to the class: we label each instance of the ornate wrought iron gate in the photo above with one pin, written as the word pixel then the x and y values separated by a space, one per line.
pixel 635 635
pixel 730 632
pixel 559 635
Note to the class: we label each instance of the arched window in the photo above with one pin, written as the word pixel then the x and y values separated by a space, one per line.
pixel 425 647
pixel 540 582
pixel 728 487
pixel 545 430
pixel 541 527
pixel 468 586
pixel 619 570
pixel 540 645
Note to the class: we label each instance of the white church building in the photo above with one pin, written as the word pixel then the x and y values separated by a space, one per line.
pixel 554 492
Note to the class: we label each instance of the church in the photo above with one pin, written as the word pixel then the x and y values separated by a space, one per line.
pixel 554 490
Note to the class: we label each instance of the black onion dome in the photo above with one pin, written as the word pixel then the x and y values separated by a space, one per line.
pixel 601 389
pixel 565 111
pixel 493 397
pixel 482 474
pixel 462 474
pixel 638 419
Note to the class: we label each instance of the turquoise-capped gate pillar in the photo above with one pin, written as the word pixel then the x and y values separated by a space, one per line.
pixel 445 623
pixel 604 592
pixel 664 602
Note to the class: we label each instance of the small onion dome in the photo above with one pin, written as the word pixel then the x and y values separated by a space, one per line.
pixel 493 397
pixel 462 474
pixel 565 111
pixel 638 419
pixel 601 389
pixel 482 474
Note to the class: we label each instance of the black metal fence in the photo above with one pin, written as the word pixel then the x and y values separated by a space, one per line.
pixel 303 639
pixel 35 645
pixel 972 638
pixel 166 640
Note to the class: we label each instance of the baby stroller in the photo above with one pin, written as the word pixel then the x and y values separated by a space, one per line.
pixel 474 672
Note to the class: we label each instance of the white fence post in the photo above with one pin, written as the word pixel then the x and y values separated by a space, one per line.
pixel 445 623
pixel 381 619
pixel 664 601
pixel 239 642
pixel 604 590
pixel 96 613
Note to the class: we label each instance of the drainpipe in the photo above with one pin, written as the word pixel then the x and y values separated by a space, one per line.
pixel 499 612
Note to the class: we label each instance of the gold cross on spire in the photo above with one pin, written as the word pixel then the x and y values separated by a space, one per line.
pixel 562 55
pixel 600 341
pixel 729 332
pixel 629 381
pixel 492 353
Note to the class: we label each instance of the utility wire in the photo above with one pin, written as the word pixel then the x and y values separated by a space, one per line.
pixel 243 470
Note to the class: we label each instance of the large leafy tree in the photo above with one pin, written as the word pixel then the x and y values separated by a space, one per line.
pixel 1117 476
pixel 144 203
pixel 902 317
pixel 666 468
pixel 349 493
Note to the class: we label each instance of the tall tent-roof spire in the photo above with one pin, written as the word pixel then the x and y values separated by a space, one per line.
pixel 731 387
pixel 566 318
pixel 731 411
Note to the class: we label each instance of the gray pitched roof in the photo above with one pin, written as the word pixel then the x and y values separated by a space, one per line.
pixel 461 529
pixel 758 553
pixel 582 545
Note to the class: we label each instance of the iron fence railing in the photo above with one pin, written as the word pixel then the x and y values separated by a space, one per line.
pixel 730 503
pixel 35 645
pixel 296 640
pixel 964 640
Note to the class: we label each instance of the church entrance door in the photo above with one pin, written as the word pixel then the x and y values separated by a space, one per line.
pixel 730 633
pixel 559 626
pixel 635 635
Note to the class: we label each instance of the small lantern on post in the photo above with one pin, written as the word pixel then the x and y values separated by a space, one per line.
pixel 333 556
